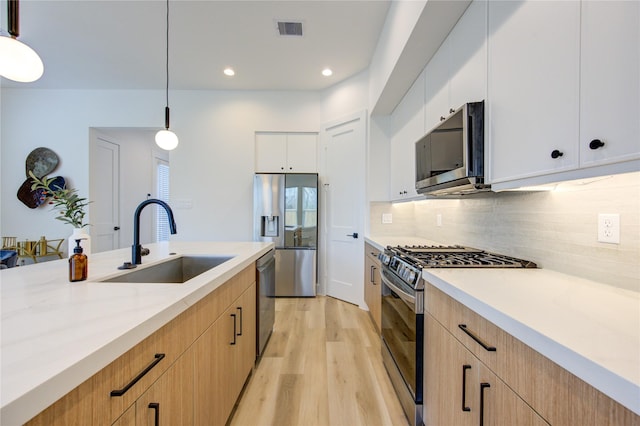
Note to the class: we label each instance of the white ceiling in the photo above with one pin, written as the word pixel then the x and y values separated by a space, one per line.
pixel 120 44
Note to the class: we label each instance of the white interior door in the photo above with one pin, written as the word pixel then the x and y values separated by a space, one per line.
pixel 343 190
pixel 105 195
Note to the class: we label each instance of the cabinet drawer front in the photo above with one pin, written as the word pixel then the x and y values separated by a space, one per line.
pixel 118 385
pixel 209 309
pixel 477 334
pixel 372 252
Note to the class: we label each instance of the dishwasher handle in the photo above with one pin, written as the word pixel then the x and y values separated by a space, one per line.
pixel 265 261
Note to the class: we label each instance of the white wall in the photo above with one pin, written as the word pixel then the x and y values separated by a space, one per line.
pixel 212 167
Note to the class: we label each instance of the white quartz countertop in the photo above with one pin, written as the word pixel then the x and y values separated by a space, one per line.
pixel 57 334
pixel 588 328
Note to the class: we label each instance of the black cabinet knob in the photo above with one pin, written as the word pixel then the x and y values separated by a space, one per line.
pixel 442 118
pixel 555 153
pixel 116 228
pixel 596 143
pixel 451 110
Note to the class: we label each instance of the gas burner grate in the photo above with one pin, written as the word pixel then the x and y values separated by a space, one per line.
pixel 458 257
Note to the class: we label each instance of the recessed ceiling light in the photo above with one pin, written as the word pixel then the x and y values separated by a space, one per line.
pixel 327 72
pixel 229 72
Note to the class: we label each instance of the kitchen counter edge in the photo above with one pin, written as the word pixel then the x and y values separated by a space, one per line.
pixel 17 408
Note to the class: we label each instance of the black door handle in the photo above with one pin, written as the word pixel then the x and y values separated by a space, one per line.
pixel 116 228
pixel 354 235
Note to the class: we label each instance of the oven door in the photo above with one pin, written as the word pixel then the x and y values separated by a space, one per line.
pixel 403 330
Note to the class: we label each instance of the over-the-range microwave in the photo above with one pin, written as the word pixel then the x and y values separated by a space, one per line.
pixel 450 158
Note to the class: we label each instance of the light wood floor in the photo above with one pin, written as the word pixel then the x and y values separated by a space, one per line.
pixel 322 366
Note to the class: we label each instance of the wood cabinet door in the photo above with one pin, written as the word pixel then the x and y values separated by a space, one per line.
pixel 499 405
pixel 372 289
pixel 128 418
pixel 214 371
pixel 247 341
pixel 169 401
pixel 461 390
pixel 609 83
pixel 450 393
pixel 533 87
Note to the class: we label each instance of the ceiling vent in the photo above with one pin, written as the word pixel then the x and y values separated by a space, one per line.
pixel 290 28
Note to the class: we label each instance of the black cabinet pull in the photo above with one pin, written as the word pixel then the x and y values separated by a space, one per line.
pixel 371 273
pixel 155 406
pixel 240 309
pixel 469 333
pixel 451 110
pixel 120 392
pixel 116 228
pixel 555 153
pixel 464 387
pixel 483 386
pixel 596 143
pixel 234 329
pixel 442 118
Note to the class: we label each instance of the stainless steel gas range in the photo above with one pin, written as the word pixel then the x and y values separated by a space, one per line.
pixel 403 310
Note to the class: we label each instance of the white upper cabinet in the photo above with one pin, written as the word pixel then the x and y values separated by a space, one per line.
pixel 408 126
pixel 457 73
pixel 286 153
pixel 533 87
pixel 562 76
pixel 610 82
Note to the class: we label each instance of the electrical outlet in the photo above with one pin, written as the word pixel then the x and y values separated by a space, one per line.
pixel 387 218
pixel 438 219
pixel 609 228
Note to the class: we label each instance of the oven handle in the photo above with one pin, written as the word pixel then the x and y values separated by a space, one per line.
pixel 409 299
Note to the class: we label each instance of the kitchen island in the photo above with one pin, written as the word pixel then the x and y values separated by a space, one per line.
pixel 57 334
pixel 590 329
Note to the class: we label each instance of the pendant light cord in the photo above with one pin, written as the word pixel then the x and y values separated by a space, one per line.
pixel 167 64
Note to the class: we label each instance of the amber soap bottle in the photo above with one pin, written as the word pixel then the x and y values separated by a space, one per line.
pixel 78 264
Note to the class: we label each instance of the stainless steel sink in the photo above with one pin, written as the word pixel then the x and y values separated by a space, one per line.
pixel 177 271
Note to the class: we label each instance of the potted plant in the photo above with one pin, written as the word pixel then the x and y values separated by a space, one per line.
pixel 70 206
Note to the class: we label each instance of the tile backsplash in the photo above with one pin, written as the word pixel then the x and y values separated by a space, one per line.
pixel 556 229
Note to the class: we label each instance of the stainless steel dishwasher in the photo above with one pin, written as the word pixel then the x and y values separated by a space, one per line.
pixel 265 298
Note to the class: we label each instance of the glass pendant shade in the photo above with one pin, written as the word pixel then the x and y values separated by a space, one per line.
pixel 19 62
pixel 166 139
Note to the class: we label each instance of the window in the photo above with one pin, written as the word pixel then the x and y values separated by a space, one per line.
pixel 162 221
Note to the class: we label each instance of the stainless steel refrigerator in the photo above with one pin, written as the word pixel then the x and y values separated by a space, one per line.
pixel 286 213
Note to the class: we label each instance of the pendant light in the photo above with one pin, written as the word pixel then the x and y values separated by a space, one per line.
pixel 166 139
pixel 18 62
